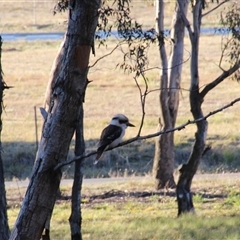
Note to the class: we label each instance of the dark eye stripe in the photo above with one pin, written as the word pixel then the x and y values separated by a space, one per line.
pixel 123 121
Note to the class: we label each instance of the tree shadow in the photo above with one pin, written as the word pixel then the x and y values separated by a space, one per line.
pixel 142 196
pixel 135 159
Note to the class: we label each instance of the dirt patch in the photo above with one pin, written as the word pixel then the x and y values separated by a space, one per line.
pixel 118 196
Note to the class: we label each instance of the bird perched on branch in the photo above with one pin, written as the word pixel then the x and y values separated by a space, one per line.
pixel 112 135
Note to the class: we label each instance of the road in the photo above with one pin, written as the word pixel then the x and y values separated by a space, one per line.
pixel 59 35
pixel 68 182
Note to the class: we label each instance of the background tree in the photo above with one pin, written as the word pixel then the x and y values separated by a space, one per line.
pixel 170 83
pixel 196 97
pixel 64 99
pixel 4 228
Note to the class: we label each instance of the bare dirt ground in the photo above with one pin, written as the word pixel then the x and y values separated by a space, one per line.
pixel 211 187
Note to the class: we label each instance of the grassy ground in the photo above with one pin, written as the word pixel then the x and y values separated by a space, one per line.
pixel 133 210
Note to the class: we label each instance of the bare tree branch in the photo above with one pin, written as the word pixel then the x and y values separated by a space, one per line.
pixel 106 55
pixel 142 99
pixel 182 62
pixel 225 47
pixel 213 9
pixel 137 138
pixel 219 79
pixel 160 89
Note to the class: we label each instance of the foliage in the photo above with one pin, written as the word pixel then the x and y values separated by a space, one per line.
pixel 231 37
pixel 129 31
pixel 61 6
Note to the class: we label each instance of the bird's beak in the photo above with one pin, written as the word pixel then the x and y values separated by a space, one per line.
pixel 130 125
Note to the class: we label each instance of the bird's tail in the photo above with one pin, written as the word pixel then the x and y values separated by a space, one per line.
pixel 99 154
pixel 100 151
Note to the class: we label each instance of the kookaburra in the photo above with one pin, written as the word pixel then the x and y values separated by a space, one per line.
pixel 112 134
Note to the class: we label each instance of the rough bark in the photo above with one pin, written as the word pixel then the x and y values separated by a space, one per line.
pixel 169 97
pixel 65 96
pixel 76 217
pixel 4 228
pixel 188 170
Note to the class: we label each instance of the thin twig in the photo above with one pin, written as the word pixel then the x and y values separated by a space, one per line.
pixel 159 68
pixel 137 138
pixel 143 101
pixel 160 89
pixel 117 46
pixel 224 49
pixel 213 9
pixel 142 105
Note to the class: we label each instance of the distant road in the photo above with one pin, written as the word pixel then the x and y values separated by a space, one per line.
pixel 32 36
pixel 68 182
pixel 91 181
pixel 59 35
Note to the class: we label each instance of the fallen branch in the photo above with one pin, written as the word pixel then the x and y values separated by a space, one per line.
pixel 137 138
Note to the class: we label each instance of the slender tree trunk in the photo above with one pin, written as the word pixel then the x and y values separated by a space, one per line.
pixel 169 97
pixel 66 94
pixel 76 217
pixel 187 172
pixel 4 228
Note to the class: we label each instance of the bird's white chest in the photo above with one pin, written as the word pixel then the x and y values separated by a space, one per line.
pixel 117 140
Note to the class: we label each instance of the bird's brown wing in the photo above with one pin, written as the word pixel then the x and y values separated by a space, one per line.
pixel 109 134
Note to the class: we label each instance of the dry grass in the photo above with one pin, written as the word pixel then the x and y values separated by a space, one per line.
pixel 37 16
pixel 111 91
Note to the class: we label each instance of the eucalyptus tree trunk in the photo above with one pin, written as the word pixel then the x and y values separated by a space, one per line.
pixel 188 170
pixel 163 168
pixel 76 217
pixel 4 228
pixel 65 96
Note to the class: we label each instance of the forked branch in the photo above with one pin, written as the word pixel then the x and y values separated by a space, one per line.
pixel 219 79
